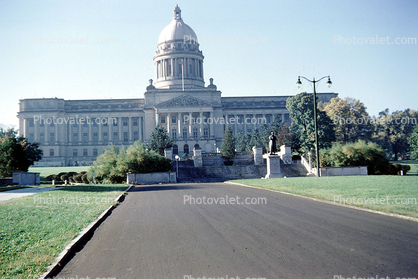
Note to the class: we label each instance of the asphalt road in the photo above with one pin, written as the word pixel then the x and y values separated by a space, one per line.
pixel 161 232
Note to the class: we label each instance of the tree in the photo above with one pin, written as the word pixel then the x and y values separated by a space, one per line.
pixel 350 119
pixel 392 132
pixel 228 144
pixel 16 153
pixel 301 110
pixel 413 142
pixel 159 140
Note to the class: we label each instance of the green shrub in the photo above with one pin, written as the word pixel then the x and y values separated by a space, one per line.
pixel 84 178
pixel 78 178
pixel 113 164
pixel 359 153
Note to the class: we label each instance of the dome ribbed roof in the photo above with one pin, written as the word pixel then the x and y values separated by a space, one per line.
pixel 177 30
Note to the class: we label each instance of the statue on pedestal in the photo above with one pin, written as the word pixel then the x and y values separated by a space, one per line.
pixel 272 144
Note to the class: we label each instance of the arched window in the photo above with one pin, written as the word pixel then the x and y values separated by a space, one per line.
pixel 186 149
pixel 196 146
pixel 175 149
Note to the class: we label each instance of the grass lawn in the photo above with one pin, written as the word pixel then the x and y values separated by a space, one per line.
pixel 394 194
pixel 35 229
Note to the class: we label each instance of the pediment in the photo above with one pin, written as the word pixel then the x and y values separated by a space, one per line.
pixel 183 101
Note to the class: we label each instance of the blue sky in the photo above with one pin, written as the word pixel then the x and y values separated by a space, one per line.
pixel 104 49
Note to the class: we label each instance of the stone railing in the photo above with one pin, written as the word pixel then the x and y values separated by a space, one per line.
pixel 306 164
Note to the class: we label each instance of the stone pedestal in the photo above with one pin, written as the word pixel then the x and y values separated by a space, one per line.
pixel 168 153
pixel 286 154
pixel 258 155
pixel 197 157
pixel 273 167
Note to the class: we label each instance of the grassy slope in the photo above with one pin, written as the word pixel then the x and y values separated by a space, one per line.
pixel 364 191
pixel 35 229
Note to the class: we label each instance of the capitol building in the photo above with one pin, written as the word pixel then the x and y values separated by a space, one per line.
pixel 194 114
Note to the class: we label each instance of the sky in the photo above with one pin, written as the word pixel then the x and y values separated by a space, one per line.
pixel 99 49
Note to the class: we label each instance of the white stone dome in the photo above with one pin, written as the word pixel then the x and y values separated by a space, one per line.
pixel 177 30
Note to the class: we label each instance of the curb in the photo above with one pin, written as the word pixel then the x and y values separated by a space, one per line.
pixel 59 261
pixel 413 219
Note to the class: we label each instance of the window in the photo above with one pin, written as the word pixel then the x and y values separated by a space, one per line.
pixel 51 152
pixel 31 123
pixel 174 133
pixel 125 136
pixel 136 137
pixel 115 122
pixel 95 153
pixel 105 137
pixel 195 133
pixel 205 132
pixel 186 149
pixel 105 124
pixel 173 119
pixel 162 119
pixel 75 152
pixel 268 119
pixel 75 136
pixel 196 146
pixel 115 136
pixel 135 122
pixel 185 133
pixel 85 153
pixel 175 149
pixel 95 137
pixel 51 137
pixel 125 122
pixel 85 137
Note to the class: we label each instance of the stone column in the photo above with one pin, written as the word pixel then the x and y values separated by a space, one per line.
pixel 46 134
pixel 80 132
pixel 70 133
pixel 245 123
pixel 36 124
pixel 100 132
pixel 90 125
pixel 235 124
pixel 130 129
pixel 120 129
pixel 110 136
pixel 201 124
pixel 190 125
pixel 212 132
pixel 56 133
pixel 168 123
pixel 141 132
pixel 157 120
pixel 179 125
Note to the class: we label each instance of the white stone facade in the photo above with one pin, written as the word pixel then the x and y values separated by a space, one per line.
pixel 77 131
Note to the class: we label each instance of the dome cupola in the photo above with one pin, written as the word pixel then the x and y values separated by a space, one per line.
pixel 178 60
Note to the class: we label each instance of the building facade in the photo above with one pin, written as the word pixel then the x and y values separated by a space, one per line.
pixel 77 131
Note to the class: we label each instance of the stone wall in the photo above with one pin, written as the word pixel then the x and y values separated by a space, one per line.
pixel 343 171
pixel 153 177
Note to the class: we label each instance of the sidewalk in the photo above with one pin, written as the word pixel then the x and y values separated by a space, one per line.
pixel 13 194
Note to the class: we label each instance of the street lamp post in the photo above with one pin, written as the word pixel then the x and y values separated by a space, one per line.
pixel 299 84
pixel 177 157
